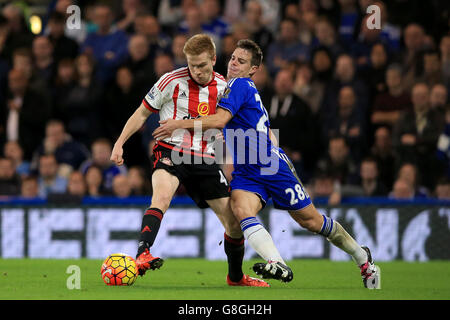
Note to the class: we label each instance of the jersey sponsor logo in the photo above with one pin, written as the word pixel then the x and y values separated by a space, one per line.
pixel 203 108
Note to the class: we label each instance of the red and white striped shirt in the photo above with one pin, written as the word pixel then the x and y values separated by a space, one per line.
pixel 177 96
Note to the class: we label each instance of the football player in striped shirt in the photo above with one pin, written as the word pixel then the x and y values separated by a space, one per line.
pixel 262 171
pixel 185 157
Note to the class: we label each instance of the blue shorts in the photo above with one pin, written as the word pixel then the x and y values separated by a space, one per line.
pixel 283 186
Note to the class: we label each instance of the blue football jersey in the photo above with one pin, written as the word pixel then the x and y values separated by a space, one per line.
pixel 259 166
pixel 247 133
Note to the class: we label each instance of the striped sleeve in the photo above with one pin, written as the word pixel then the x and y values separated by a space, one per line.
pixel 160 93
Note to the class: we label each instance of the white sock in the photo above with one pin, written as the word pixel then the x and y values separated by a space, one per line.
pixel 341 239
pixel 260 240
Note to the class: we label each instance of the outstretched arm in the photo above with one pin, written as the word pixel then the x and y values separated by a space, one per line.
pixel 134 123
pixel 217 120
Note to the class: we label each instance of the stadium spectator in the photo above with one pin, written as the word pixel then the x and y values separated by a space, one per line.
pixel 431 68
pixel 228 46
pixel 409 172
pixel 170 13
pixel 321 186
pixel 44 63
pixel 22 59
pixel 129 11
pixel 325 36
pixel 348 22
pixel 387 106
pixel 414 38
pixel 147 25
pixel 65 82
pixel 193 21
pixel 49 180
pixel 383 151
pixel 370 183
pixel 76 185
pixel 14 151
pixel 106 45
pixel 402 190
pixel 345 75
pixel 293 117
pixel 416 134
pixel 374 75
pixel 100 153
pixel 444 48
pixel 139 184
pixel 121 186
pixel 63 46
pixel 29 188
pixel 13 29
pixel 363 44
pixel 348 121
pixel 163 63
pixel 322 65
pixel 94 182
pixel 9 179
pixel 308 87
pixel 139 60
pixel 306 13
pixel 80 110
pixel 121 101
pixel 443 146
pixel 69 153
pixel 338 163
pixel 213 22
pixel 286 48
pixel 26 115
pixel 442 189
pixel 263 83
pixel 177 50
pixel 76 190
pixel 439 97
pixel 253 20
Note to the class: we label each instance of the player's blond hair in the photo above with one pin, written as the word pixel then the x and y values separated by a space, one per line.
pixel 198 44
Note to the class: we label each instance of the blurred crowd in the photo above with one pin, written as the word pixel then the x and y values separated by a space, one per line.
pixel 361 111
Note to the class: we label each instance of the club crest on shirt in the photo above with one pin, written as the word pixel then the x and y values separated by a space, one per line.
pixel 203 109
pixel 226 92
pixel 166 161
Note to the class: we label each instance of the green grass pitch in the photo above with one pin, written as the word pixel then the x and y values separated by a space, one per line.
pixel 198 279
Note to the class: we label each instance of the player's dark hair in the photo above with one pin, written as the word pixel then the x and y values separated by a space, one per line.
pixel 253 48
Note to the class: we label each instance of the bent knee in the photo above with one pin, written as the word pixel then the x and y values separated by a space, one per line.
pixel 161 201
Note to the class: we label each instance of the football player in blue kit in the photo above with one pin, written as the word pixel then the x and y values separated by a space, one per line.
pixel 262 171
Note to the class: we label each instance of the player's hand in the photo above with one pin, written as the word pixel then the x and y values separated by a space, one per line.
pixel 116 155
pixel 165 129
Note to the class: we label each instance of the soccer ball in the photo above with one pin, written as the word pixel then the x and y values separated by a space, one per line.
pixel 119 269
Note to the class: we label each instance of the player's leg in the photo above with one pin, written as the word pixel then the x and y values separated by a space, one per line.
pixel 164 186
pixel 310 219
pixel 233 244
pixel 245 206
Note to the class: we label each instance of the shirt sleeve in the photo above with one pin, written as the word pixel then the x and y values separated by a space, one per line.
pixel 232 97
pixel 156 97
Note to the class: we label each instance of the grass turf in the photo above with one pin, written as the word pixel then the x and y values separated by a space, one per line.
pixel 198 279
